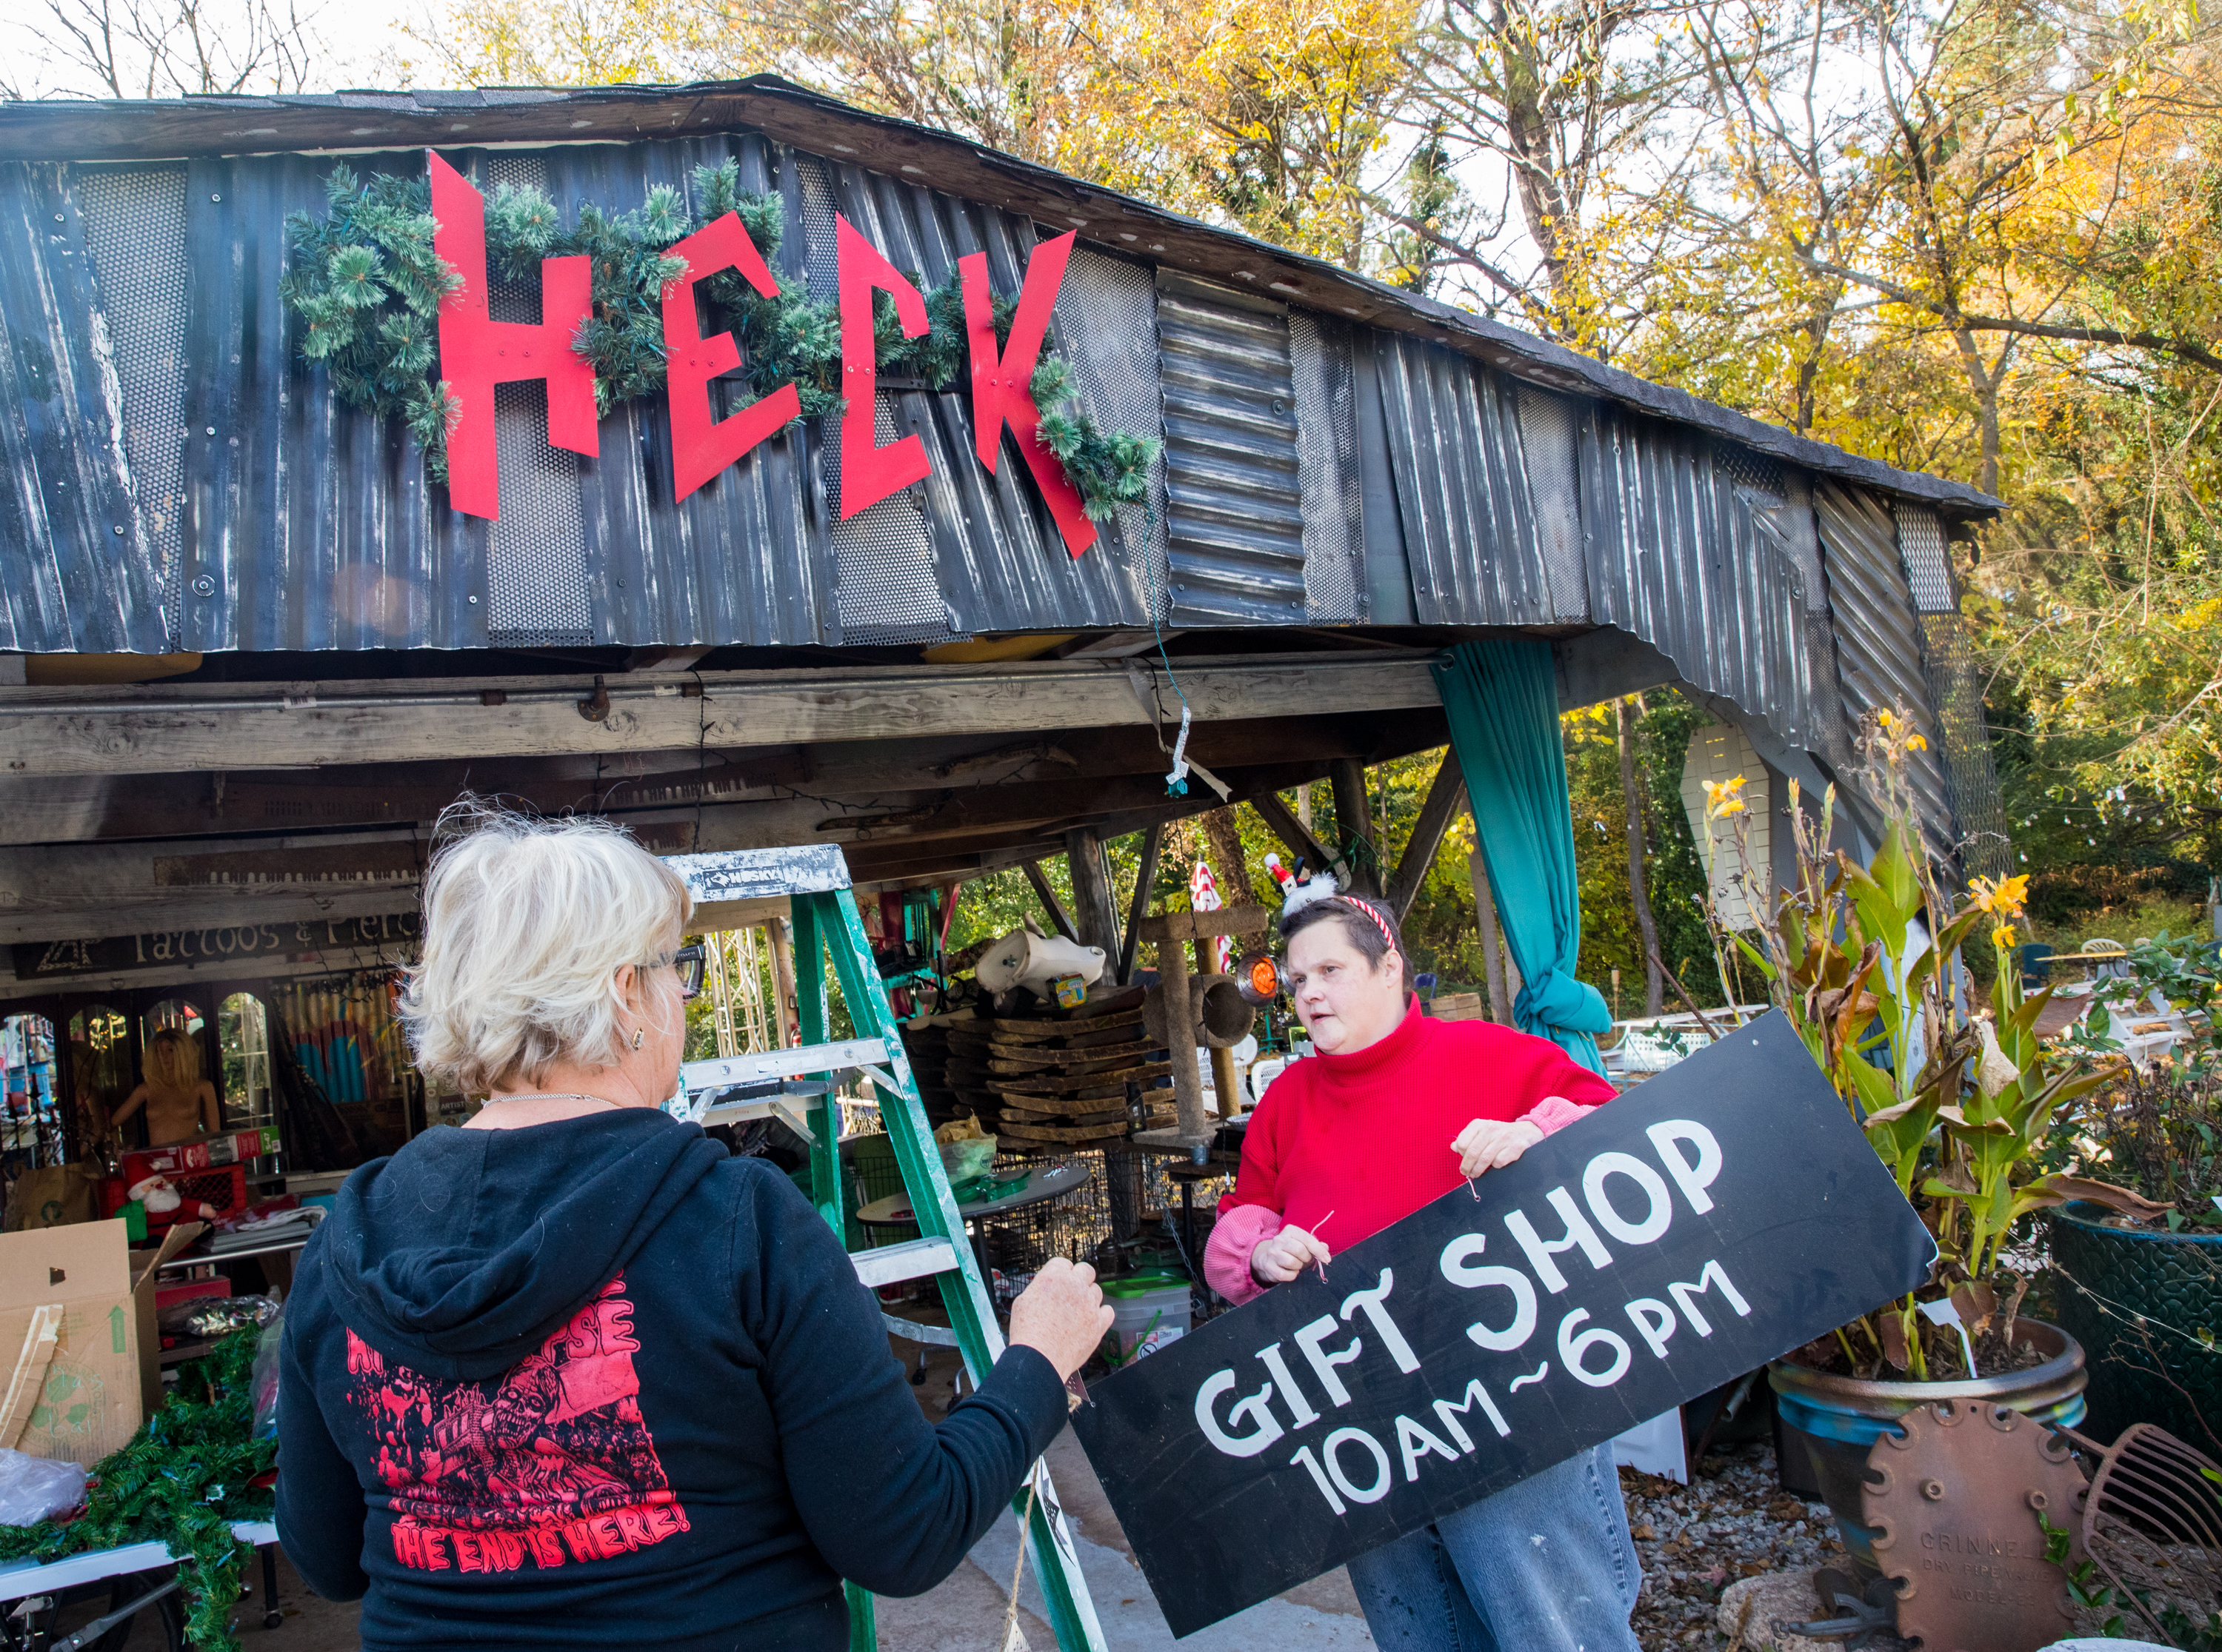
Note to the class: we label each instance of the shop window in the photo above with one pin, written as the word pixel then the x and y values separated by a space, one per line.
pixel 243 1039
pixel 102 1071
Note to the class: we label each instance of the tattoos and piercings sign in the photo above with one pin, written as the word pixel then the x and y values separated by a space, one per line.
pixel 1710 1220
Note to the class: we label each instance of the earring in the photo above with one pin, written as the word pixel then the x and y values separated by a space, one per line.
pixel 635 1038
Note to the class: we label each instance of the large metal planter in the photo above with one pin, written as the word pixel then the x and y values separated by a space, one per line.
pixel 2139 1301
pixel 1837 1418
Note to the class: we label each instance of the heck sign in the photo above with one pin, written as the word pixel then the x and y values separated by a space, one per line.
pixel 477 353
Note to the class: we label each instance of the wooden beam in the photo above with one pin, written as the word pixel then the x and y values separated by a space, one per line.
pixel 166 729
pixel 1199 926
pixel 1446 798
pixel 1051 903
pixel 1153 841
pixel 1295 835
pixel 1353 817
pixel 1098 907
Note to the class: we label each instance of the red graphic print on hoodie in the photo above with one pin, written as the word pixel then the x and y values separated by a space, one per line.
pixel 549 1462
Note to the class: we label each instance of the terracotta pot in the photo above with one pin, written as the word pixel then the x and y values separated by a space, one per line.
pixel 2137 1299
pixel 1836 1420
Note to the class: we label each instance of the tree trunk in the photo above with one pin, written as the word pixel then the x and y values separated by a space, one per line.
pixel 1221 832
pixel 1985 381
pixel 1646 925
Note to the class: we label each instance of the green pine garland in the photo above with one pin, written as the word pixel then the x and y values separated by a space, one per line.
pixel 365 285
pixel 183 1478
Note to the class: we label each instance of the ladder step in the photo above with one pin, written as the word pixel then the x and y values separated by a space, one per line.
pixel 721 1072
pixel 914 1258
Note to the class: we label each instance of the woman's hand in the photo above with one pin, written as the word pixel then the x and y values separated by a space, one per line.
pixel 1061 1315
pixel 1491 1143
pixel 1287 1254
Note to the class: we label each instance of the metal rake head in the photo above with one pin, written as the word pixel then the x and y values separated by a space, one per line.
pixel 2153 1522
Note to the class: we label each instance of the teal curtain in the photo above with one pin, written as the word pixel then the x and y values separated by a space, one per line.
pixel 1503 698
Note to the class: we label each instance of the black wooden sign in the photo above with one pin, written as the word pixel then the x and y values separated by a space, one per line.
pixel 1708 1221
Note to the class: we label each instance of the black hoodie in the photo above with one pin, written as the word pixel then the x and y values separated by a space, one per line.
pixel 548 1387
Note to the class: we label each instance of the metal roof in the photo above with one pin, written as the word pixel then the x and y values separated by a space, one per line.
pixel 87 130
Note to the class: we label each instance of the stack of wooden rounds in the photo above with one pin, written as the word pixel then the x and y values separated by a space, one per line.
pixel 1055 1077
pixel 926 1040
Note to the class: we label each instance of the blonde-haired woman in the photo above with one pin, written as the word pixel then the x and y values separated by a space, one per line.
pixel 179 1103
pixel 571 1375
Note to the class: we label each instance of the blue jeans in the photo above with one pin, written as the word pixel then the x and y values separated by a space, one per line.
pixel 1545 1566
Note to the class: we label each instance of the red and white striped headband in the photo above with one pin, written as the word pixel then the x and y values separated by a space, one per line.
pixel 1379 921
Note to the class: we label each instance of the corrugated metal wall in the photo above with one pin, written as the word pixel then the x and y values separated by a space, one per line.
pixel 78 570
pixel 1462 489
pixel 1677 557
pixel 1879 653
pixel 1234 482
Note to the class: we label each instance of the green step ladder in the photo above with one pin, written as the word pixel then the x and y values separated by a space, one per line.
pixel 812 879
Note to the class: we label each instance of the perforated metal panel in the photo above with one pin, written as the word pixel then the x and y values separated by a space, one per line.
pixel 882 561
pixel 820 264
pixel 1106 324
pixel 1234 500
pixel 1321 353
pixel 537 551
pixel 1948 666
pixel 1548 446
pixel 1921 546
pixel 135 229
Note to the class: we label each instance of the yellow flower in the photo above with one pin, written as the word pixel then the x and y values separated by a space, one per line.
pixel 2004 898
pixel 2003 937
pixel 1916 743
pixel 1887 721
pixel 1723 797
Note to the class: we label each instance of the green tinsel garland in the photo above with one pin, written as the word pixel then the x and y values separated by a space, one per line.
pixel 365 284
pixel 183 1478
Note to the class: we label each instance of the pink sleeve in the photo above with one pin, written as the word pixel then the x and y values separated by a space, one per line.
pixel 1550 1115
pixel 1226 1256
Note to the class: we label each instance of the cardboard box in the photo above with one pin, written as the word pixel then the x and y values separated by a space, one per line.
pixel 77 1344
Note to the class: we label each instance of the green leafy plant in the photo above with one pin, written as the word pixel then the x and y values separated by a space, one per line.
pixel 190 1471
pixel 1959 1099
pixel 364 285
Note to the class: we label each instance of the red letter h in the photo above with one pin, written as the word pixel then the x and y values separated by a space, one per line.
pixel 476 353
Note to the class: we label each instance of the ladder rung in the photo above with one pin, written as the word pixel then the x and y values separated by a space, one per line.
pixel 914 1258
pixel 721 1071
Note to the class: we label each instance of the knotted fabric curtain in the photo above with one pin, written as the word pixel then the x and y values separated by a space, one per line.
pixel 1502 695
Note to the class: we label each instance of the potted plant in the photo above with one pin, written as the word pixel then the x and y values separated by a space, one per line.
pixel 1957 1096
pixel 2144 1292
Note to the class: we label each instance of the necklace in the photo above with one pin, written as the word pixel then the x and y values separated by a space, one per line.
pixel 557 1095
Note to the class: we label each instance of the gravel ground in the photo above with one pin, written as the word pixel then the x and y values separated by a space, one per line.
pixel 1731 1521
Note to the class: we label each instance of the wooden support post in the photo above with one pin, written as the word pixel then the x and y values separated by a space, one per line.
pixel 1051 903
pixel 1224 1084
pixel 1353 818
pixel 1172 932
pixel 1445 799
pixel 781 931
pixel 1097 907
pixel 1180 1029
pixel 1153 839
pixel 1493 958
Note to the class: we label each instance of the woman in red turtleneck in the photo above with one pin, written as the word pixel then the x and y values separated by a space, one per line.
pixel 1393 1110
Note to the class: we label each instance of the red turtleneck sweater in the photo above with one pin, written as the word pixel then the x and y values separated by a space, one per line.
pixel 1367 1137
